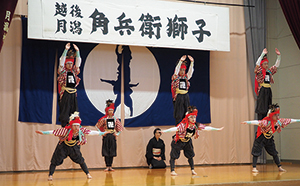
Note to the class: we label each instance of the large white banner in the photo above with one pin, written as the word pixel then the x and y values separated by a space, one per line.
pixel 131 22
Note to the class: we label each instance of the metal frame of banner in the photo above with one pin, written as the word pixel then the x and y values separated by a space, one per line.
pixel 214 3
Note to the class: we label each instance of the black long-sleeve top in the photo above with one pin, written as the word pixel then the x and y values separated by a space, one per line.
pixel 155 144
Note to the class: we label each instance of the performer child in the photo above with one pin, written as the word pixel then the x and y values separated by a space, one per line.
pixel 263 80
pixel 112 128
pixel 155 152
pixel 70 139
pixel 185 130
pixel 264 135
pixel 180 86
pixel 67 83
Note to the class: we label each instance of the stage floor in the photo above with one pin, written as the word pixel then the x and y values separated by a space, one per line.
pixel 207 175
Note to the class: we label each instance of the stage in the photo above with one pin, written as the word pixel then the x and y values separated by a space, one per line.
pixel 207 175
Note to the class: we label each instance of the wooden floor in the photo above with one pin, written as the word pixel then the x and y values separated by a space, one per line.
pixel 207 175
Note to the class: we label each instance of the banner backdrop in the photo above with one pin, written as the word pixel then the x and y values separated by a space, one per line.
pixel 7 9
pixel 146 80
pixel 140 23
pixel 147 83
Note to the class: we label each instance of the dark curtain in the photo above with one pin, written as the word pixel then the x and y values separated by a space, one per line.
pixel 256 40
pixel 36 84
pixel 291 10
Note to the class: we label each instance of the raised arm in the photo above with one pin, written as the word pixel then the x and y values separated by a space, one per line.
pixel 278 58
pixel 62 59
pixel 177 69
pixel 191 68
pixel 78 58
pixel 253 122
pixel 264 52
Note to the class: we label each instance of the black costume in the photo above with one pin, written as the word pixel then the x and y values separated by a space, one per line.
pixel 180 106
pixel 69 145
pixel 67 83
pixel 62 151
pixel 263 80
pixel 188 151
pixel 156 148
pixel 264 135
pixel 179 87
pixel 262 142
pixel 109 142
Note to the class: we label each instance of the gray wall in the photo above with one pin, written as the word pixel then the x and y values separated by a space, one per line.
pixel 286 90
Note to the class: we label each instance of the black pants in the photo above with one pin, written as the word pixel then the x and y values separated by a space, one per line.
pixel 108 160
pixel 67 106
pixel 109 146
pixel 109 149
pixel 181 105
pixel 264 100
pixel 188 151
pixel 262 142
pixel 62 151
pixel 155 163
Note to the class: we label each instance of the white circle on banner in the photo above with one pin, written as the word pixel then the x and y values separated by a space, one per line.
pixel 143 85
